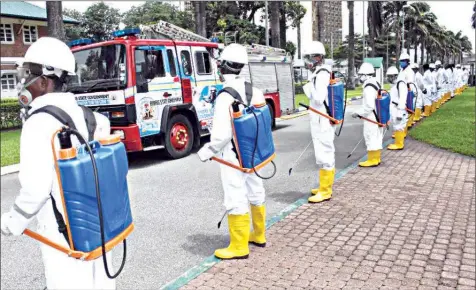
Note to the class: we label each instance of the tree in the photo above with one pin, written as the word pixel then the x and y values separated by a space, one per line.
pixel 76 31
pixel 54 16
pixel 350 51
pixel 418 21
pixel 153 11
pixel 374 22
pixel 296 13
pixel 100 21
pixel 473 18
pixel 291 48
pixel 200 18
pixel 392 12
pixel 274 21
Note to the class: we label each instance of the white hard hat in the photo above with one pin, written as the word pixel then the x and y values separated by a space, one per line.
pixel 438 62
pixel 404 56
pixel 235 53
pixel 51 53
pixel 458 65
pixel 366 69
pixel 432 65
pixel 415 65
pixel 316 47
pixel 392 71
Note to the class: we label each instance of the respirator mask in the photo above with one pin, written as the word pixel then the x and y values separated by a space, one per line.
pixel 392 79
pixel 311 62
pixel 363 78
pixel 27 75
pixel 403 64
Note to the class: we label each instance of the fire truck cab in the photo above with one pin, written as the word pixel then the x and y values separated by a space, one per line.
pixel 157 90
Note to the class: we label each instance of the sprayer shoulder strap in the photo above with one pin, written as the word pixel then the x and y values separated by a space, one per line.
pixel 65 119
pixel 59 220
pixel 236 95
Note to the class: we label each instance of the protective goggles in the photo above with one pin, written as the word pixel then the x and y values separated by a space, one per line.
pixel 27 72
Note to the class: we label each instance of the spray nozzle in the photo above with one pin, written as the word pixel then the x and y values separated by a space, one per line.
pixel 65 138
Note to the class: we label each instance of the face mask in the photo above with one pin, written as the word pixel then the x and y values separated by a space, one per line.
pixel 403 64
pixel 363 78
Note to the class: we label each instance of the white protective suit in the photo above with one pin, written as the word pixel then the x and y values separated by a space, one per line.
pixel 435 95
pixel 239 188
pixel 322 131
pixel 398 94
pixel 428 83
pixel 441 82
pixel 38 179
pixel 373 134
pixel 465 77
pixel 450 79
pixel 420 87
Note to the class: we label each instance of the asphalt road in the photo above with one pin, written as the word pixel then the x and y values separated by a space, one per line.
pixel 176 207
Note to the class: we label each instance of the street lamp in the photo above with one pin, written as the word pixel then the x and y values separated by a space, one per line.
pixel 363 30
pixel 403 25
pixel 332 42
pixel 391 34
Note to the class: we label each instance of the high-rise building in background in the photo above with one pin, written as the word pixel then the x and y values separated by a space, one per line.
pixel 332 14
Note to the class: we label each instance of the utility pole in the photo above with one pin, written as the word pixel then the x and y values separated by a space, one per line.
pixel 363 30
pixel 266 22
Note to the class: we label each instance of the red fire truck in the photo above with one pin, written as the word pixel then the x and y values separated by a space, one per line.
pixel 157 84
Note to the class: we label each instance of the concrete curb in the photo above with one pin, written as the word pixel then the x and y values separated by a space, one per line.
pixel 210 261
pixel 9 169
pixel 289 117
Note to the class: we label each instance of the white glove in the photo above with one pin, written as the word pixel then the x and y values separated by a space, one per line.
pixel 5 229
pixel 205 153
pixel 308 88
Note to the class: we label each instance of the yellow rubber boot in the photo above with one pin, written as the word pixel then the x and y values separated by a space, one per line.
pixel 438 103
pixel 410 121
pixel 433 107
pixel 427 111
pixel 372 159
pixel 258 216
pixel 417 115
pixel 324 192
pixel 399 141
pixel 378 156
pixel 239 227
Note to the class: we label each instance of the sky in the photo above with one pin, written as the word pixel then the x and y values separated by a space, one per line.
pixel 454 15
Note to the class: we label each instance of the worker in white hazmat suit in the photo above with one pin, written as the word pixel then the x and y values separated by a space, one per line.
pixel 441 83
pixel 322 130
pixel 44 72
pixel 392 74
pixel 240 189
pixel 421 90
pixel 450 80
pixel 373 134
pixel 399 120
pixel 428 83
pixel 436 93
pixel 465 77
pixel 459 80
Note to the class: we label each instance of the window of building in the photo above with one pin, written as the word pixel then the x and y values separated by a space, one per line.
pixel 170 56
pixel 186 62
pixel 6 33
pixel 30 34
pixel 8 82
pixel 203 63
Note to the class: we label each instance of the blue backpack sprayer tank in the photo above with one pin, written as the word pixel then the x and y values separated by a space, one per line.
pixel 252 134
pixel 337 101
pixel 94 192
pixel 382 107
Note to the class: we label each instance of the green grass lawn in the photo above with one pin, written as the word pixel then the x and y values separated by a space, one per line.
pixel 10 147
pixel 301 98
pixel 452 127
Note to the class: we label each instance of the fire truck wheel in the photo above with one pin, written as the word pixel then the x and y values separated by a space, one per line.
pixel 179 137
pixel 273 119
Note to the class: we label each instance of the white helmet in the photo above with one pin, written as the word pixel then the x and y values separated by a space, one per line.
pixel 438 62
pixel 404 56
pixel 414 65
pixel 392 71
pixel 234 53
pixel 458 66
pixel 366 69
pixel 316 47
pixel 432 65
pixel 53 55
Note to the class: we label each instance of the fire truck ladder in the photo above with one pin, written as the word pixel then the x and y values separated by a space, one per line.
pixel 259 49
pixel 163 28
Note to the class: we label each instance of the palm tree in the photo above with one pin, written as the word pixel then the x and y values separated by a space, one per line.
pixel 391 15
pixel 474 16
pixel 296 13
pixel 350 52
pixel 200 18
pixel 274 23
pixel 419 20
pixel 375 23
pixel 54 15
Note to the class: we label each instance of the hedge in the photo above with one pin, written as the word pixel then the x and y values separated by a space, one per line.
pixel 10 114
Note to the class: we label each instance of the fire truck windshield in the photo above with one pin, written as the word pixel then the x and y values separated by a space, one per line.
pixel 99 68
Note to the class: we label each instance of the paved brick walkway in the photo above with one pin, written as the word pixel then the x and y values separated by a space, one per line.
pixel 407 224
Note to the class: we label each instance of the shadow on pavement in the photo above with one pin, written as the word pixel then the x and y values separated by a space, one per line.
pixel 205 245
pixel 287 197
